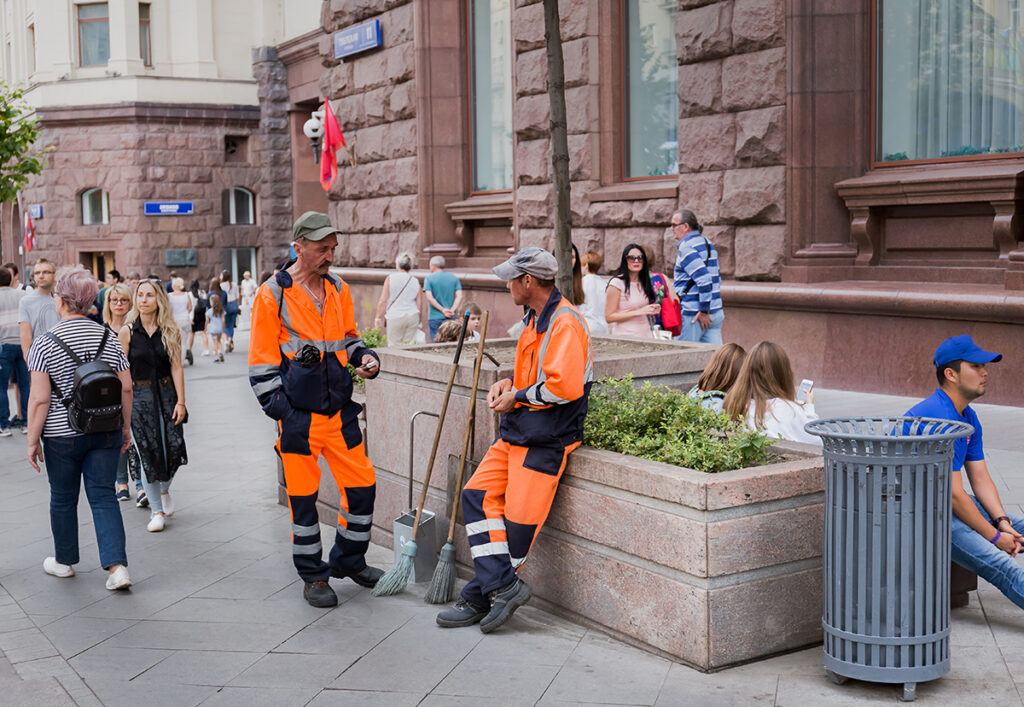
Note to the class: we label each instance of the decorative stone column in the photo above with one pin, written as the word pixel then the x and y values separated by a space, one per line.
pixel 272 153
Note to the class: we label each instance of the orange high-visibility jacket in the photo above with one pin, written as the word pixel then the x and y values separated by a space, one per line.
pixel 553 374
pixel 284 322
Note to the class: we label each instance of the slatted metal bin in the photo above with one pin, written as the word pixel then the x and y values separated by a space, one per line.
pixel 887 547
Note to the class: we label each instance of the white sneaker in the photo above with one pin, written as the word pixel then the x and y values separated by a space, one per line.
pixel 6 432
pixel 119 579
pixel 206 352
pixel 51 566
pixel 167 503
pixel 156 523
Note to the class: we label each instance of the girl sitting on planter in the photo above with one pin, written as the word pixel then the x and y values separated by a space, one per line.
pixel 764 396
pixel 719 376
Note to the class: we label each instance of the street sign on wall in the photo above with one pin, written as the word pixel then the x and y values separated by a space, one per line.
pixel 168 208
pixel 357 38
pixel 36 211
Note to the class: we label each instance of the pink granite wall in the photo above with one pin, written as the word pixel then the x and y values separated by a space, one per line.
pixel 155 154
pixel 374 203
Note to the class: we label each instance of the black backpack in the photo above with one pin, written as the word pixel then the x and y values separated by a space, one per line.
pixel 94 404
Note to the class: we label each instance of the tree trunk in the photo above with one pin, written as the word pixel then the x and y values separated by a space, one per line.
pixel 559 148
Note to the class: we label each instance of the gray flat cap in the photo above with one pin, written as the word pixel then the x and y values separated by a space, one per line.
pixel 528 261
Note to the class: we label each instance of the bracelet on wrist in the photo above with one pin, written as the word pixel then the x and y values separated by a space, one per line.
pixel 996 538
pixel 1000 519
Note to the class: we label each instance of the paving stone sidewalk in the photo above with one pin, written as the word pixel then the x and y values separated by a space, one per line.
pixel 216 615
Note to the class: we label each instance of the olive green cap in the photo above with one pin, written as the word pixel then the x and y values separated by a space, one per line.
pixel 313 226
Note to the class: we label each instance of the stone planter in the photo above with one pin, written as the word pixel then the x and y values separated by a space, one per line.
pixel 707 569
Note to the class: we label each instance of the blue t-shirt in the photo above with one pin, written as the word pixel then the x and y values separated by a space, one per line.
pixel 940 406
pixel 443 285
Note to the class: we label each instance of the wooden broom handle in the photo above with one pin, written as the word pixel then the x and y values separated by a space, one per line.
pixel 440 424
pixel 469 423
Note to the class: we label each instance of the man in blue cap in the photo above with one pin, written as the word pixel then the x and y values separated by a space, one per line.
pixel 985 537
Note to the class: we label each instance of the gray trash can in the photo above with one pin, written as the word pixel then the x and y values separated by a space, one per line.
pixel 887 547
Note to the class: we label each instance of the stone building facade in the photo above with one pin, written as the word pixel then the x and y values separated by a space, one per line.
pixel 845 255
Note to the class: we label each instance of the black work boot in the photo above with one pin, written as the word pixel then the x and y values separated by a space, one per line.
pixel 461 614
pixel 320 594
pixel 366 577
pixel 504 602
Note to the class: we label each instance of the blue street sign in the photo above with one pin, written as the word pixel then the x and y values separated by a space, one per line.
pixel 36 211
pixel 357 38
pixel 168 208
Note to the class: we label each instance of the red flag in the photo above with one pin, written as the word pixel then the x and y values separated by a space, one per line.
pixel 30 233
pixel 333 139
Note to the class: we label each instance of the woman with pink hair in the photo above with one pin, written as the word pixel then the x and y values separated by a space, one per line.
pixel 74 458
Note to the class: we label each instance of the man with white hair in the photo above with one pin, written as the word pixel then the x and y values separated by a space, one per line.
pixel 444 293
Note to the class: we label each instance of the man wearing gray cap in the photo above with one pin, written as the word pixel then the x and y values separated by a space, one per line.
pixel 543 406
pixel 303 334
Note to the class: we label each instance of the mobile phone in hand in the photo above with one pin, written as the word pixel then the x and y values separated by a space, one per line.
pixel 805 388
pixel 369 366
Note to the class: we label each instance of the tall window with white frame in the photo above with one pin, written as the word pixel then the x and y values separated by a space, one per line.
pixel 490 27
pixel 145 36
pixel 93 34
pixel 95 207
pixel 239 206
pixel 949 80
pixel 651 111
pixel 30 49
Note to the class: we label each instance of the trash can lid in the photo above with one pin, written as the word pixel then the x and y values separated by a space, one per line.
pixel 896 428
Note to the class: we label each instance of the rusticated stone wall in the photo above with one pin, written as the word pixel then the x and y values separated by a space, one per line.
pixel 732 128
pixel 374 203
pixel 139 153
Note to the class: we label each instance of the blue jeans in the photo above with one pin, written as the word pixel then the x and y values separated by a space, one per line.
pixel 434 325
pixel 693 332
pixel 230 317
pixel 91 459
pixel 12 360
pixel 122 473
pixel 973 552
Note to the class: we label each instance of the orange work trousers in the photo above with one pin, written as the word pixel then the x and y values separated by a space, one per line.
pixel 304 437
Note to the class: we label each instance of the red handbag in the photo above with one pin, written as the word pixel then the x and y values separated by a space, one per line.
pixel 671 314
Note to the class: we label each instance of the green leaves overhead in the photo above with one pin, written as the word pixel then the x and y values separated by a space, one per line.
pixel 17 134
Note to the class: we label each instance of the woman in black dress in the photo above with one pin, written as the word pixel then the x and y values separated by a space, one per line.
pixel 152 341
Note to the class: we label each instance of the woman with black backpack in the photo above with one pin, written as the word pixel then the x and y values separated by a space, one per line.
pixel 78 423
pixel 199 306
pixel 152 340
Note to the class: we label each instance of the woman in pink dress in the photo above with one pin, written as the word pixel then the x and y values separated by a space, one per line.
pixel 630 300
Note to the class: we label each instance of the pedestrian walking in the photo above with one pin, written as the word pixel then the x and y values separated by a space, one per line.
pixel 663 294
pixel 444 294
pixel 37 312
pixel 303 335
pixel 198 323
pixel 543 406
pixel 229 297
pixel 698 281
pixel 719 376
pixel 116 306
pixel 630 301
pixel 12 360
pixel 247 288
pixel 594 291
pixel 75 458
pixel 152 340
pixel 215 327
pixel 181 309
pixel 764 396
pixel 400 302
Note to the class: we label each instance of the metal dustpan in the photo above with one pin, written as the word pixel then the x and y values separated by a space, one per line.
pixel 426 539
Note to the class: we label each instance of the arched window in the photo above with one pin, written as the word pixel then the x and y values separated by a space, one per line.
pixel 95 206
pixel 239 206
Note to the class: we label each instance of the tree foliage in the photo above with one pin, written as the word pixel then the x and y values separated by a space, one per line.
pixel 17 134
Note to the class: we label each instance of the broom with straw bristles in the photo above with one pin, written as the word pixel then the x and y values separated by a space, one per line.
pixel 442 584
pixel 394 580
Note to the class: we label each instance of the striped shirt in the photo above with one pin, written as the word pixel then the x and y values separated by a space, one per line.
pixel 82 336
pixel 705 292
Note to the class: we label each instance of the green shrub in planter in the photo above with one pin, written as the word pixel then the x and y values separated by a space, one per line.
pixel 661 424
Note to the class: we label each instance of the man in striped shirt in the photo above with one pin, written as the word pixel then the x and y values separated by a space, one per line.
pixel 697 281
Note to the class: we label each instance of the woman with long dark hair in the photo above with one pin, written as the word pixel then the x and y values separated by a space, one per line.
pixel 630 299
pixel 578 295
pixel 152 340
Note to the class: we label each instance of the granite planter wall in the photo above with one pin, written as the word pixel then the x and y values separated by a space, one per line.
pixel 708 569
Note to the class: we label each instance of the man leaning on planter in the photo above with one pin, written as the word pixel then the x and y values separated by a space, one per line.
pixel 985 537
pixel 543 406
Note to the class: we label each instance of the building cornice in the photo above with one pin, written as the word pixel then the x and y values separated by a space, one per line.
pixel 140 112
pixel 302 47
